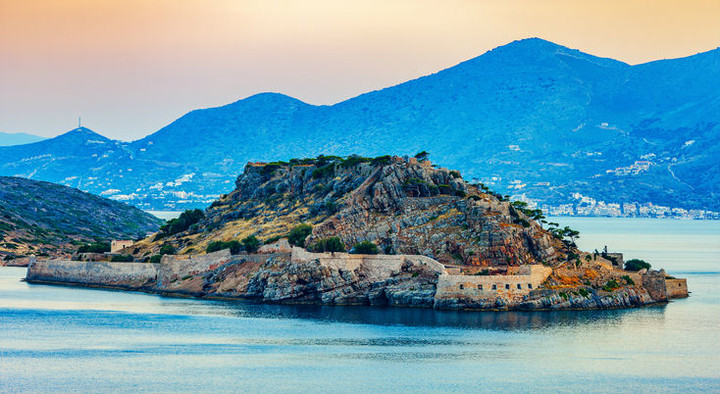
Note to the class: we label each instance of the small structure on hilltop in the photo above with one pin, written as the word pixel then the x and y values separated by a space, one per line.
pixel 118 245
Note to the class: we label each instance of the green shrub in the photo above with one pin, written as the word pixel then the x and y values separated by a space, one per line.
pixel 332 244
pixel 182 223
pixel 636 265
pixel 155 259
pixel 167 249
pixel 251 244
pixel 628 280
pixel 611 285
pixel 324 171
pixel 381 160
pixel 455 174
pixel 95 247
pixel 583 292
pixel 124 258
pixel 234 246
pixel 298 234
pixel 365 247
pixel 354 160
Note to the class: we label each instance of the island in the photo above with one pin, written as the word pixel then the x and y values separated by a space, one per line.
pixel 368 231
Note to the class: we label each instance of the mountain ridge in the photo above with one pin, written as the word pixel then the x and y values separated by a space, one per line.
pixel 531 111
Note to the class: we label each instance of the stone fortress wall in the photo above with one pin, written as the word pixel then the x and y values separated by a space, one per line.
pixel 99 273
pixel 158 277
pixel 513 287
pixel 676 288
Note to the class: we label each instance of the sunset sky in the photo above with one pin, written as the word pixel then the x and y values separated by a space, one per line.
pixel 129 67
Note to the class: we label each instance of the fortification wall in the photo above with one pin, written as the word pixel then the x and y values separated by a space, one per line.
pixel 510 287
pixel 676 288
pixel 126 275
pixel 654 283
pixel 173 268
pixel 380 266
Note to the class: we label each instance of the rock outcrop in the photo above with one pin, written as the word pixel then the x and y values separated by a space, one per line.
pixel 402 206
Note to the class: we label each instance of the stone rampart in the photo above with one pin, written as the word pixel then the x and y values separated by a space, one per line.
pixel 124 275
pixel 176 267
pixel 676 288
pixel 509 287
pixel 654 283
pixel 379 266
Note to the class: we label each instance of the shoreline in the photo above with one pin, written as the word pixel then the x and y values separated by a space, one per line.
pixel 186 295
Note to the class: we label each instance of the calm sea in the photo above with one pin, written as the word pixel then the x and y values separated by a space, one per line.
pixel 61 339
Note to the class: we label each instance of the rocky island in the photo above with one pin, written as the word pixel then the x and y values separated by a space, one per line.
pixel 369 231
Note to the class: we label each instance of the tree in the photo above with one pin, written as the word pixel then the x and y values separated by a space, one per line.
pixel 332 244
pixel 298 234
pixel 364 247
pixel 251 244
pixel 570 233
pixel 182 223
pixel 422 156
pixel 636 265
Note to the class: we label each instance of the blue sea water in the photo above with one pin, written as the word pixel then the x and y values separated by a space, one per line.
pixel 63 339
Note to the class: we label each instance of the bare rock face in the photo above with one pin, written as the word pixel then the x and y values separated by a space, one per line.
pixel 402 206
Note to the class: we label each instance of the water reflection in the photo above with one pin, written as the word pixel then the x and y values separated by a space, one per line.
pixel 416 317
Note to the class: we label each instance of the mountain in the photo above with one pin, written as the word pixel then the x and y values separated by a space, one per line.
pixel 530 117
pixel 43 218
pixel 403 207
pixel 7 139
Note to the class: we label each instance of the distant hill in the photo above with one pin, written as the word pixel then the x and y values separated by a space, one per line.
pixel 7 139
pixel 529 117
pixel 44 218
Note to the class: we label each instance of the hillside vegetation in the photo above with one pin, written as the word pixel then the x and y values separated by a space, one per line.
pixel 42 218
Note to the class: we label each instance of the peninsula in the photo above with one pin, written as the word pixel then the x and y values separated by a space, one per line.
pixel 368 231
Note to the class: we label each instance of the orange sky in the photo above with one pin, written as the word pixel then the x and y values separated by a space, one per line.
pixel 130 67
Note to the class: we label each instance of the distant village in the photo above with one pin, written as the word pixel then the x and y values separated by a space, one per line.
pixel 588 206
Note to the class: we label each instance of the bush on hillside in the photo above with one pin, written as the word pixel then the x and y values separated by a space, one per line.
pixel 251 244
pixel 636 265
pixel 298 234
pixel 123 258
pixel 332 244
pixel 182 223
pixel 364 247
pixel 234 246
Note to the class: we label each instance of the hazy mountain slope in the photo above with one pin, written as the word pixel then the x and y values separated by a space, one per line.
pixel 7 139
pixel 552 119
pixel 40 217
